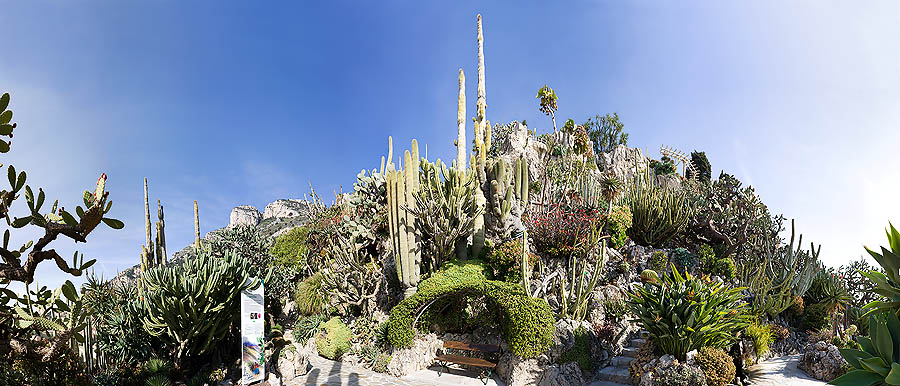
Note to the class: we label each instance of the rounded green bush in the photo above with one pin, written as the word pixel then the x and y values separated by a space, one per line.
pixel 717 365
pixel 334 340
pixel 683 259
pixel 659 261
pixel 726 268
pixel 309 296
pixel 816 316
pixel 290 249
pixel 527 323
pixel 505 261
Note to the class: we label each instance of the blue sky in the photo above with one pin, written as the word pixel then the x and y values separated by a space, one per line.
pixel 232 103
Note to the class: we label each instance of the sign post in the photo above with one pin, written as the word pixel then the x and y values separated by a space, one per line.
pixel 253 327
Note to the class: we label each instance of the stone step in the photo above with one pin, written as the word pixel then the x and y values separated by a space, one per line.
pixel 645 334
pixel 629 352
pixel 638 342
pixel 621 361
pixel 614 374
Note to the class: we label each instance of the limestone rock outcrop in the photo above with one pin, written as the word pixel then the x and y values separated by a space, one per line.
pixel 244 215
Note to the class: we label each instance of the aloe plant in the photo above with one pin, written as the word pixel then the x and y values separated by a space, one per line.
pixel 684 313
pixel 887 284
pixel 878 362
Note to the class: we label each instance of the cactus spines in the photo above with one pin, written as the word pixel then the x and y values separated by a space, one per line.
pixel 401 185
pixel 461 123
pixel 196 226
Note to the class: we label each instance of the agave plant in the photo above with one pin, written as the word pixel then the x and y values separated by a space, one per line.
pixel 887 284
pixel 684 313
pixel 878 362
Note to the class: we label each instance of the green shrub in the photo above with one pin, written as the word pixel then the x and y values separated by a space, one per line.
pixel 307 327
pixel 816 317
pixel 827 289
pixel 762 337
pixel 190 307
pixel 683 259
pixel 580 351
pixel 527 323
pixel 505 261
pixel 290 248
pixel 381 363
pixel 684 313
pixel 663 166
pixel 617 224
pixel 717 365
pixel 334 339
pixel 726 268
pixel 310 297
pixel 658 213
pixel 707 259
pixel 614 309
pixel 659 262
pixel 679 375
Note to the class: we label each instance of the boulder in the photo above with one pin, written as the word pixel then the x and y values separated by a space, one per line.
pixel 568 374
pixel 516 371
pixel 418 357
pixel 621 161
pixel 822 361
pixel 286 208
pixel 292 363
pixel 244 215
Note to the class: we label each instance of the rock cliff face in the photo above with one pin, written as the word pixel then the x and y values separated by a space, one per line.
pixel 244 215
pixel 623 162
pixel 286 208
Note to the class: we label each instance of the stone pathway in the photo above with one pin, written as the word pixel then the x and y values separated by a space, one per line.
pixel 616 374
pixel 326 372
pixel 781 372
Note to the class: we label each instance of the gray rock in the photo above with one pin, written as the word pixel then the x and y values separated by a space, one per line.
pixel 516 371
pixel 244 215
pixel 286 208
pixel 822 361
pixel 621 161
pixel 418 357
pixel 292 363
pixel 568 374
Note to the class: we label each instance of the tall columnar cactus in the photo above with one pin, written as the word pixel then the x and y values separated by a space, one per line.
pixel 402 184
pixel 160 235
pixel 522 181
pixel 482 145
pixel 507 189
pixel 196 226
pixel 153 255
pixel 461 123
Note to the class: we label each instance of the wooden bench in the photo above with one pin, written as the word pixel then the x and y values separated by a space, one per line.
pixel 486 365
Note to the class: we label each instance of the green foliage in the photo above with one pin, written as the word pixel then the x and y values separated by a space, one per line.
pixel 887 283
pixel 649 276
pixel 64 369
pixel 617 224
pixel 878 361
pixel 606 132
pixel 614 309
pixel 505 261
pixel 581 279
pixel 816 316
pixel 658 213
pixel 701 167
pixel 659 262
pixel 334 340
pixel 717 365
pixel 679 375
pixel 860 288
pixel 158 366
pixel 381 363
pixel 684 313
pixel 827 289
pixel 119 321
pixel 290 248
pixel 710 264
pixel 548 101
pixel 761 335
pixel 580 351
pixel 683 259
pixel 527 323
pixel 158 380
pixel 445 208
pixel 190 307
pixel 307 327
pixel 662 167
pixel 309 296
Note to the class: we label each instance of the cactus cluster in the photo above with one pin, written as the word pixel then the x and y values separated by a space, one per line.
pixel 153 253
pixel 507 189
pixel 402 185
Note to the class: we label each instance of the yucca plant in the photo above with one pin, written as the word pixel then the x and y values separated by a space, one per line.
pixel 887 284
pixel 684 313
pixel 878 363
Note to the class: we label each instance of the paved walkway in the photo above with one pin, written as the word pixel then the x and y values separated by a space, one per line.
pixel 781 372
pixel 326 372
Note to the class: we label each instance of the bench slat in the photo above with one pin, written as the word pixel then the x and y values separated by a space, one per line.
pixel 488 348
pixel 459 359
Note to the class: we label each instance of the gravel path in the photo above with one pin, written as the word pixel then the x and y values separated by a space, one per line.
pixel 326 372
pixel 781 372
